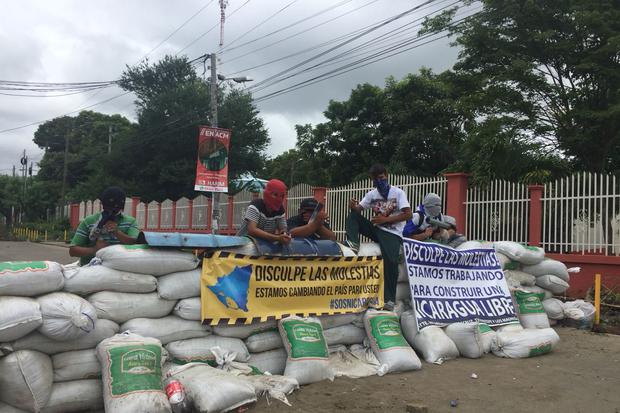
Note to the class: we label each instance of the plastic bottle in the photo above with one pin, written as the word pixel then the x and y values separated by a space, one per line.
pixel 177 397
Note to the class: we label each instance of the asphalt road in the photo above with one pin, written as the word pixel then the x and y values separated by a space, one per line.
pixel 32 251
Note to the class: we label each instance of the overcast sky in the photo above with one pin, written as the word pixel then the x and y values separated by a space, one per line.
pixel 79 41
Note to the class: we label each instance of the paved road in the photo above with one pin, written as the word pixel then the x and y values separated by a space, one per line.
pixel 31 251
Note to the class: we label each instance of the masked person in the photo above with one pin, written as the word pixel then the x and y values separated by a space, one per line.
pixel 265 217
pixel 419 226
pixel 108 227
pixel 390 210
pixel 310 222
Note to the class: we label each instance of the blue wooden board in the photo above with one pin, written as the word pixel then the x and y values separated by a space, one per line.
pixel 299 247
pixel 193 240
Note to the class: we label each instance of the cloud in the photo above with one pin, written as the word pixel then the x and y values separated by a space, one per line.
pixel 70 40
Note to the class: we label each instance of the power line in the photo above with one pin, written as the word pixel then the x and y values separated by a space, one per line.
pixel 175 31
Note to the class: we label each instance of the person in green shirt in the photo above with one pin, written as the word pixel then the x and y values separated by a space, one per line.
pixel 108 227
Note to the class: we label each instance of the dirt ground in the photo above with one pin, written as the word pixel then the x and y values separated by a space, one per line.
pixel 581 375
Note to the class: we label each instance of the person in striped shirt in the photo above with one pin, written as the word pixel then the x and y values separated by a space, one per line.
pixel 265 217
pixel 108 227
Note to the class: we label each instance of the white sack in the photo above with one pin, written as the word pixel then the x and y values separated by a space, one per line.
pixel 37 341
pixel 487 334
pixel 347 335
pixel 402 291
pixel 243 331
pixel 548 266
pixel 540 292
pixel 131 374
pixel 434 345
pixel 509 328
pixel 387 342
pixel 520 277
pixel 30 278
pixel 26 380
pixel 66 316
pixel 344 363
pixel 94 278
pixel 552 283
pixel 402 273
pixel 76 365
pixel 518 252
pixel 75 396
pixel 471 245
pixel 166 329
pixel 586 308
pixel 525 343
pixel 213 390
pixel 199 349
pixel 18 317
pixel 265 341
pixel 409 325
pixel 506 262
pixel 467 338
pixel 272 361
pixel 308 357
pixel 121 307
pixel 188 309
pixel 337 320
pixel 179 285
pixel 143 259
pixel 554 308
pixel 530 310
pixel 369 249
pixel 7 408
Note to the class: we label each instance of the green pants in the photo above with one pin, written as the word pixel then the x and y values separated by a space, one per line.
pixel 390 249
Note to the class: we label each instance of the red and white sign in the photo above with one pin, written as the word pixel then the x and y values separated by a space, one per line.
pixel 212 164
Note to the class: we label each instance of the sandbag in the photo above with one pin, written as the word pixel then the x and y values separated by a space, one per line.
pixel 30 278
pixel 520 277
pixel 506 263
pixel 402 291
pixel 525 343
pixel 166 329
pixel 548 266
pixel 541 293
pixel 530 310
pixel 243 331
pixel 487 336
pixel 552 283
pixel 347 335
pixel 471 245
pixel 434 345
pixel 581 311
pixel 94 278
pixel 18 317
pixel 409 325
pixel 7 408
pixel 76 365
pixel 213 390
pixel 26 380
pixel 511 327
pixel 131 374
pixel 37 341
pixel 265 341
pixel 142 259
pixel 345 363
pixel 188 309
pixel 337 320
pixel 75 396
pixel 402 273
pixel 179 285
pixel 467 338
pixel 387 342
pixel 66 316
pixel 308 357
pixel 272 361
pixel 199 349
pixel 121 307
pixel 526 255
pixel 554 308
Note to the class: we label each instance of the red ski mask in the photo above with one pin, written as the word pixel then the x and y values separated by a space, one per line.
pixel 274 194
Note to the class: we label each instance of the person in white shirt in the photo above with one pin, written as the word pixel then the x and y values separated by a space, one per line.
pixel 390 210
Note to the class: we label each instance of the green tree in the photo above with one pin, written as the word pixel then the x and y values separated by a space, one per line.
pixel 551 69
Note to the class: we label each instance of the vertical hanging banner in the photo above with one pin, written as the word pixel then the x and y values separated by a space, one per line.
pixel 450 286
pixel 212 165
pixel 244 289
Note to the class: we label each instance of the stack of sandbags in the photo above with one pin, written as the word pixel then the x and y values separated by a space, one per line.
pixel 431 342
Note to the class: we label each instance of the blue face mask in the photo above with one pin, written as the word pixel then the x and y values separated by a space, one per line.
pixel 383 187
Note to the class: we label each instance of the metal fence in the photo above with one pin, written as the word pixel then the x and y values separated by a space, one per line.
pixel 498 212
pixel 581 213
pixel 415 187
pixel 295 195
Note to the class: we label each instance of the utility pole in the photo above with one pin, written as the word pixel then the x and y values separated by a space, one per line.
pixel 64 171
pixel 110 132
pixel 13 171
pixel 215 196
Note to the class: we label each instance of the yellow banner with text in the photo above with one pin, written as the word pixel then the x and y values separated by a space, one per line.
pixel 239 289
